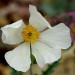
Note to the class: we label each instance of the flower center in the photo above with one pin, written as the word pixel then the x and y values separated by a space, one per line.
pixel 30 34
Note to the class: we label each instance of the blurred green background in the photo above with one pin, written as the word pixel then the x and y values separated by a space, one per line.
pixel 55 12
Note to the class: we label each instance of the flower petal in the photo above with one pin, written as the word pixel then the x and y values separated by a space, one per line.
pixel 39 58
pixel 57 37
pixel 19 58
pixel 11 34
pixel 36 19
pixel 44 54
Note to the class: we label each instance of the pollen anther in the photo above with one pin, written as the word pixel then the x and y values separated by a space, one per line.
pixel 30 34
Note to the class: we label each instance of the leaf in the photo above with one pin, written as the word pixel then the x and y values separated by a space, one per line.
pixel 14 72
pixel 72 6
pixel 51 68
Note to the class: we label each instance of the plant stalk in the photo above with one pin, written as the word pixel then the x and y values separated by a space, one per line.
pixel 31 72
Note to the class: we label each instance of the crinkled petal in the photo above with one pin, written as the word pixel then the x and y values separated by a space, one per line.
pixel 11 34
pixel 36 19
pixel 57 37
pixel 19 58
pixel 45 54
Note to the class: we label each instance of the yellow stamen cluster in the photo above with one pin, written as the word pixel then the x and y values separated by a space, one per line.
pixel 30 34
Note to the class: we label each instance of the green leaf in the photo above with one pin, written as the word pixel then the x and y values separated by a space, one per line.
pixel 51 68
pixel 54 7
pixel 72 6
pixel 48 9
pixel 14 72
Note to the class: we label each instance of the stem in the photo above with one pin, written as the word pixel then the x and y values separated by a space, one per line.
pixel 31 73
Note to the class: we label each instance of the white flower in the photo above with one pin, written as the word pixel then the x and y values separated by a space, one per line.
pixel 46 45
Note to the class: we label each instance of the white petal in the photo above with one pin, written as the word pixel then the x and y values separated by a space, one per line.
pixel 44 54
pixel 19 58
pixel 39 58
pixel 11 34
pixel 57 37
pixel 36 19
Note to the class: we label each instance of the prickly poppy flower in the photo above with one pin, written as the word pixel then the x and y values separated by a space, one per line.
pixel 46 44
